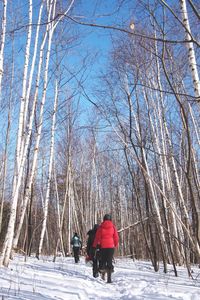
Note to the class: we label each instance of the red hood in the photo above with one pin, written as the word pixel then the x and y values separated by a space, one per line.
pixel 107 224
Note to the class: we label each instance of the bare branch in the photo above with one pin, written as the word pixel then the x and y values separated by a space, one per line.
pixel 134 224
pixel 194 9
pixel 132 33
pixel 177 18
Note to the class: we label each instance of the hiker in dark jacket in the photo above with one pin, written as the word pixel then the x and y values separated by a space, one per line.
pixel 92 252
pixel 77 246
pixel 107 239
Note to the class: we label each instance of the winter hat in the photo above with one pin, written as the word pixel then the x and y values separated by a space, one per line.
pixel 107 217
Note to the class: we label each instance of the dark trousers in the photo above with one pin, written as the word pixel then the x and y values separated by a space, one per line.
pixel 106 258
pixel 76 251
pixel 95 267
pixel 94 254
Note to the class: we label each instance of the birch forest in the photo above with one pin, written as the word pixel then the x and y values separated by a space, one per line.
pixel 100 113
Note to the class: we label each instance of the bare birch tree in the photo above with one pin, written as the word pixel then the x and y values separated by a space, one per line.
pixel 49 178
pixel 3 35
pixel 19 167
pixel 191 51
pixel 21 152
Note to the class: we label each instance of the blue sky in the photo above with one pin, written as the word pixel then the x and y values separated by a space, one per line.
pixel 95 43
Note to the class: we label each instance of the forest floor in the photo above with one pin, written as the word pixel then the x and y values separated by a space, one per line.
pixel 64 280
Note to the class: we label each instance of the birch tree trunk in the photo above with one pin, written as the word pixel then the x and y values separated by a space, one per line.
pixel 20 135
pixel 69 187
pixel 59 220
pixel 3 35
pixel 154 196
pixel 30 126
pixel 49 32
pixel 34 63
pixel 165 168
pixel 7 246
pixel 7 139
pixel 194 122
pixel 191 51
pixel 46 201
pixel 182 202
pixel 5 159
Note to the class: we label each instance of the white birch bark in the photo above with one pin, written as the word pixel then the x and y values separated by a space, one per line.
pixel 150 178
pixel 165 169
pixel 46 201
pixel 7 140
pixel 59 220
pixel 67 197
pixel 69 209
pixel 155 203
pixel 166 184
pixel 169 188
pixel 20 135
pixel 33 64
pixel 65 201
pixel 30 126
pixel 181 197
pixel 50 33
pixel 79 207
pixel 196 202
pixel 5 159
pixel 51 6
pixel 94 187
pixel 10 232
pixel 3 35
pixel 74 208
pixel 7 246
pixel 153 191
pixel 196 128
pixel 191 51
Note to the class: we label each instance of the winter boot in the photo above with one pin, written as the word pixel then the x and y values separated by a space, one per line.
pixel 95 274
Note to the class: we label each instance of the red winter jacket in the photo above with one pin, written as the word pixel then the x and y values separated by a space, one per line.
pixel 106 235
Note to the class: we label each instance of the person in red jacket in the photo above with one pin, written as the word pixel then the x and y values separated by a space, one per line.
pixel 107 240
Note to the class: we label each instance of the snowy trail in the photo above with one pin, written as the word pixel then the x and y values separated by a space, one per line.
pixel 65 280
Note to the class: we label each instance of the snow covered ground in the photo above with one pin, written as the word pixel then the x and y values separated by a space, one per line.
pixel 66 280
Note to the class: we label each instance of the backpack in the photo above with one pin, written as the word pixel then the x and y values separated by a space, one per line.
pixel 76 241
pixel 91 237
